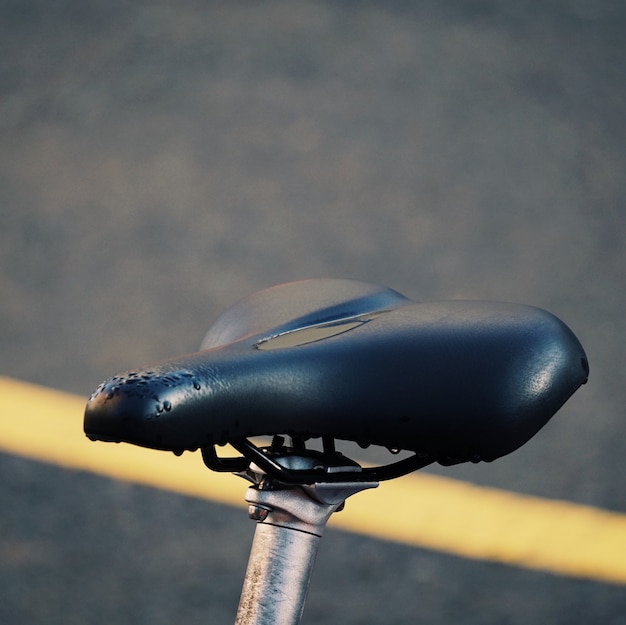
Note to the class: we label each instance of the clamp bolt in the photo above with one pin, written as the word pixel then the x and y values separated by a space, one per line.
pixel 258 512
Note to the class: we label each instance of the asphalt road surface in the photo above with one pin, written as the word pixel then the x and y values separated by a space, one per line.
pixel 159 161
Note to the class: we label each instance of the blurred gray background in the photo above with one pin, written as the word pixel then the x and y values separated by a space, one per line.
pixel 161 160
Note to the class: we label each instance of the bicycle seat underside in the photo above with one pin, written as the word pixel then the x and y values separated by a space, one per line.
pixel 453 381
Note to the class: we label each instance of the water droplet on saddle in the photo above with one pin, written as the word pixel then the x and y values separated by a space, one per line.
pixel 196 385
pixel 167 405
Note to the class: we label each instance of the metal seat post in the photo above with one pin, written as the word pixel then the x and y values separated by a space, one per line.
pixel 290 523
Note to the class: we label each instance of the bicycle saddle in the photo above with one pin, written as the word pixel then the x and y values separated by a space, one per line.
pixel 451 381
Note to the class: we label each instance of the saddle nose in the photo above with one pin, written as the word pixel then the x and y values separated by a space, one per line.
pixel 136 406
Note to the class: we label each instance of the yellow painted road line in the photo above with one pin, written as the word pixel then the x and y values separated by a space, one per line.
pixel 419 510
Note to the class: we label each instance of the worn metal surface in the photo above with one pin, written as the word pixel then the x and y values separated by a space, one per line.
pixel 291 522
pixel 277 578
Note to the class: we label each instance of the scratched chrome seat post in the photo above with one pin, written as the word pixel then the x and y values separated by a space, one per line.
pixel 290 522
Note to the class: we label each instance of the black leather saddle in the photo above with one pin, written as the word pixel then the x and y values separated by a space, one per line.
pixel 450 381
